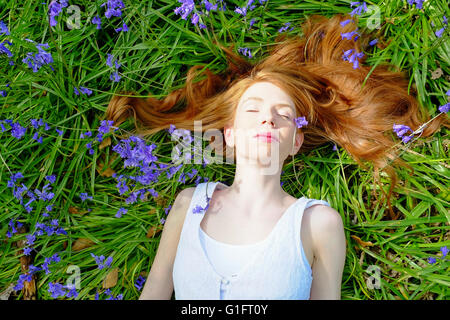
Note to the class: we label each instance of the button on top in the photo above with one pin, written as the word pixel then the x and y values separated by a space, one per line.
pixel 225 281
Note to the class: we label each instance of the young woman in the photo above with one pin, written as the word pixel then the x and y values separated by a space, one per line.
pixel 252 240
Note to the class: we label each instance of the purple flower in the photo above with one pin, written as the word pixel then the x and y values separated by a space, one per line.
pixel 373 42
pixel 57 290
pixel 444 251
pixel 197 209
pixel 4 28
pixel 358 10
pixel 172 128
pixel 84 196
pixel 99 260
pixel 105 126
pixel 352 56
pixel 30 239
pixel 120 212
pixel 245 52
pixel 51 178
pixel 115 77
pixel 431 260
pixel 186 8
pixel 439 32
pixel 96 20
pixel 166 210
pixel 300 122
pixel 72 293
pixel 209 6
pixel 113 8
pixel 36 61
pixel 124 28
pixel 17 131
pixel 401 130
pixel 54 9
pixel 109 62
pixel 349 35
pixel 419 3
pixel 83 90
pixel 345 22
pixel 4 49
pixel 444 108
pixel 286 26
pixel 139 282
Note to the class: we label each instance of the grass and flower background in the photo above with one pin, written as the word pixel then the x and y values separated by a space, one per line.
pixel 82 207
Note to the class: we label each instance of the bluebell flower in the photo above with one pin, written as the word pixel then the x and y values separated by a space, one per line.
pixel 84 196
pixel 139 282
pixel 419 3
pixel 444 251
pixel 401 130
pixel 245 52
pixel 99 260
pixel 285 28
pixel 54 9
pixel 56 289
pixel 96 20
pixel 186 8
pixel 17 131
pixel 345 22
pixel 444 108
pixel 300 122
pixel 359 9
pixel 120 212
pixel 352 56
pixel 83 90
pixel 209 6
pixel 4 49
pixel 349 35
pixel 123 28
pixel 4 28
pixel 37 60
pixel 113 8
pixel 373 42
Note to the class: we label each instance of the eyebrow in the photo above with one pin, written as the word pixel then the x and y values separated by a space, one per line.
pixel 261 99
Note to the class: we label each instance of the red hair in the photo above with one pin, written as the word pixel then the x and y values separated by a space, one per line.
pixel 327 90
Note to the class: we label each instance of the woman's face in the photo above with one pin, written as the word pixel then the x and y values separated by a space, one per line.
pixel 264 126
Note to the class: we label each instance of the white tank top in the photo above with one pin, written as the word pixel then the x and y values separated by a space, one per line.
pixel 275 268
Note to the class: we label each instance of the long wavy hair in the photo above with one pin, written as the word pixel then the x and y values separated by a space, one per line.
pixel 327 90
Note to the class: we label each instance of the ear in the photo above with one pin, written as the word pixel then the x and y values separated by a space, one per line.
pixel 299 138
pixel 229 135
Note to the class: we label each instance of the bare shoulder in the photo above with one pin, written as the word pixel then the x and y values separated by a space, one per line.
pixel 325 223
pixel 323 217
pixel 182 202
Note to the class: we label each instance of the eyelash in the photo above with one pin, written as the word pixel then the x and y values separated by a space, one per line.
pixel 284 116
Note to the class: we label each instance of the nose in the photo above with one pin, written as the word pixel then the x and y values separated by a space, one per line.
pixel 270 122
pixel 268 119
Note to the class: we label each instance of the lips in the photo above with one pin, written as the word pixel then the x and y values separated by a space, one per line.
pixel 267 136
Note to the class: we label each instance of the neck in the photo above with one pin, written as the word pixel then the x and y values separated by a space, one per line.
pixel 254 189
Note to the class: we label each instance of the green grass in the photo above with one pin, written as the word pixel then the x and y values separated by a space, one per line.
pixel 155 55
